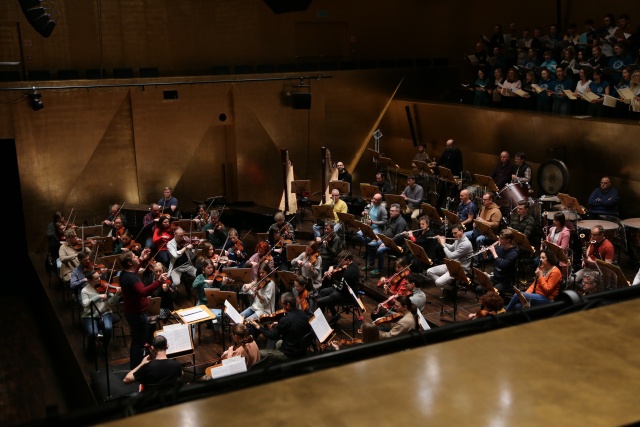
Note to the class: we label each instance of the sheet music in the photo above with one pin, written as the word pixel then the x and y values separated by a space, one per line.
pixel 355 297
pixel 320 326
pixel 178 338
pixel 423 322
pixel 231 366
pixel 193 314
pixel 609 101
pixel 232 312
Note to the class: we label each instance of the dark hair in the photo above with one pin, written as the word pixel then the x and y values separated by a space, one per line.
pixel 159 343
pixel 506 234
pixel 491 301
pixel 405 301
pixel 416 279
pixel 126 259
pixel 413 177
pixel 457 227
pixel 345 254
pixel 523 203
pixel 370 332
pixel 402 262
pixel 424 218
pixel 313 245
pixel 288 298
pixel 306 282
pixel 521 154
pixel 559 216
pixel 551 257
pixel 265 267
pixel 239 330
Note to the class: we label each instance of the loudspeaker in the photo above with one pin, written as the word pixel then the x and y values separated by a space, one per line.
pixel 301 101
pixel 285 6
pixel 411 128
pixel 39 17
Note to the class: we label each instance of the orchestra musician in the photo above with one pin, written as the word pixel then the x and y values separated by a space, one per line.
pixel 202 217
pixel 459 250
pixel 545 286
pixel 344 175
pixel 161 237
pixel 149 225
pixel 156 370
pixel 407 323
pixel 591 283
pixel 169 204
pixel 425 238
pixel 309 263
pixel 126 243
pixel 421 155
pixel 330 246
pixel 370 333
pixel 235 249
pixel 291 329
pixel 467 209
pixel 136 303
pixel 167 292
pixel 182 255
pixel 384 185
pixel 599 248
pixel 68 253
pixel 393 287
pixel 413 194
pixel 114 212
pixel 216 231
pixel 524 222
pixel 375 248
pixel 206 279
pixel 522 171
pixel 413 286
pixel 243 346
pixel 490 215
pixel 491 304
pixel 342 274
pixel 208 252
pixel 377 217
pixel 303 291
pixel 262 255
pixel 284 229
pixel 277 245
pixel 263 294
pixel 96 314
pixel 503 171
pixel 505 257
pixel 451 158
pixel 118 229
pixel 79 279
pixel 337 205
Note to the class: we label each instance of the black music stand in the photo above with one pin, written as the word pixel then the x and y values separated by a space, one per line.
pixel 418 252
pixel 293 251
pixel 431 212
pixel 622 281
pixel 348 222
pixel 423 167
pixel 483 280
pixel 299 187
pixel 451 219
pixel 457 273
pixel 342 186
pixel 215 300
pixel 486 182
pixel 446 175
pixel 367 191
pixel 485 229
pixel 240 276
pixel 386 163
pixel 395 198
pixel 374 153
pixel 323 212
pixel 287 278
pixel 389 243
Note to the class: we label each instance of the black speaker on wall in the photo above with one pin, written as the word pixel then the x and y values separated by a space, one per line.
pixel 301 101
pixel 39 15
pixel 285 6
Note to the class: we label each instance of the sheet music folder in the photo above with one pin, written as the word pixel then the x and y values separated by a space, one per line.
pixel 179 341
pixel 320 326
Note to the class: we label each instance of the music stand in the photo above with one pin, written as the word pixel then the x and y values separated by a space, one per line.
pixel 342 186
pixel 486 182
pixel 394 198
pixel 521 241
pixel 186 224
pixel 323 212
pixel 484 280
pixel 431 212
pixel 418 252
pixel 216 298
pixel 485 229
pixel 621 280
pixel 457 273
pixel 294 250
pixel 300 186
pixel 238 275
pixel 287 278
pixel 348 219
pixel 451 217
pixel 423 167
pixel 374 153
pixel 388 242
pixel 557 251
pixel 367 231
pixel 262 237
pixel 367 191
pixel 386 162
pixel 446 175
pixel 571 203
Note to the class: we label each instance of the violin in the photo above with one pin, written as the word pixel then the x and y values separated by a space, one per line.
pixel 346 343
pixel 133 246
pixel 272 317
pixel 314 258
pixel 388 318
pixel 87 243
pixel 238 248
pixel 218 277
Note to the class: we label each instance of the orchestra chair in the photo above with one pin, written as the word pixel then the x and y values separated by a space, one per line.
pixel 153 313
pixel 310 343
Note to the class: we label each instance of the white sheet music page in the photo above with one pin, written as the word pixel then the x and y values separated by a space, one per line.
pixel 356 298
pixel 423 322
pixel 232 312
pixel 320 326
pixel 193 314
pixel 178 338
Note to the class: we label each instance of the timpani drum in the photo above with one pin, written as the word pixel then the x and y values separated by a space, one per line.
pixel 610 228
pixel 632 230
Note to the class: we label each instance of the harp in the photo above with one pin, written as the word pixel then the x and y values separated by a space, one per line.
pixel 329 173
pixel 289 201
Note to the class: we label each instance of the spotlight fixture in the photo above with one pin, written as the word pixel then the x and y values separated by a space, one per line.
pixel 34 98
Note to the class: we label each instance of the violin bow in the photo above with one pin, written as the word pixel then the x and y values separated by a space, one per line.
pixel 69 219
pixel 118 212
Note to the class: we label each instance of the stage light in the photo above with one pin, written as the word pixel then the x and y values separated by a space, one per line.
pixel 35 101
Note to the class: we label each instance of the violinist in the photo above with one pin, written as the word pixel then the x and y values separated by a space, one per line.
pixel 393 287
pixel 407 323
pixel 206 251
pixel 330 246
pixel 54 235
pixel 182 256
pixel 261 256
pixel 118 230
pixel 167 292
pixel 202 217
pixel 114 212
pixel 491 304
pixel 79 278
pixel 283 228
pixel 343 274
pixel 277 243
pixel 68 253
pixel 96 315
pixel 206 279
pixel 309 263
pixel 169 204
pixel 263 293
pixel 235 249
pixel 161 237
pixel 302 290
pixel 216 231
pixel 414 284
pixel 149 225
pixel 243 345
pixel 126 243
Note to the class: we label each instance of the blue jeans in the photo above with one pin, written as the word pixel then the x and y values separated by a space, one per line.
pixel 376 248
pixel 249 314
pixel 93 326
pixel 534 299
